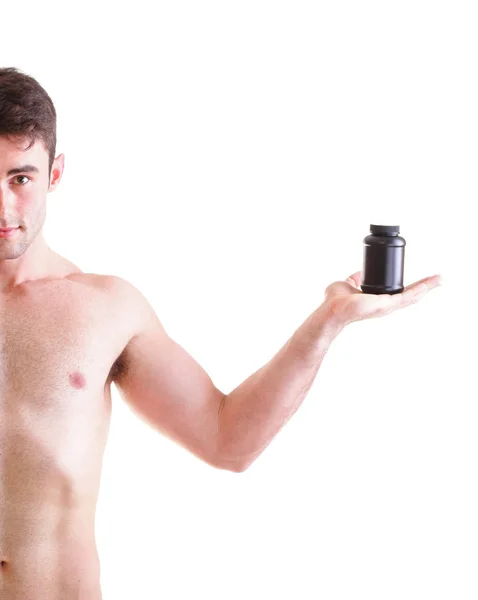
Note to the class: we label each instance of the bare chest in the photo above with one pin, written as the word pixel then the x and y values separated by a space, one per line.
pixel 57 338
pixel 58 342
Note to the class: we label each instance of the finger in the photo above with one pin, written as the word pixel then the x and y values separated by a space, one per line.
pixel 412 293
pixel 430 282
pixel 355 279
pixel 416 291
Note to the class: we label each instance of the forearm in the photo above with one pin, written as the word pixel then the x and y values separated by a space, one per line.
pixel 253 413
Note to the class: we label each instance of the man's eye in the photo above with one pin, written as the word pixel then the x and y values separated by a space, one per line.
pixel 22 176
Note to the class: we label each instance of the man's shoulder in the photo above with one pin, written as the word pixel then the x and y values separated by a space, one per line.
pixel 118 287
pixel 133 313
pixel 120 297
pixel 113 285
pixel 132 306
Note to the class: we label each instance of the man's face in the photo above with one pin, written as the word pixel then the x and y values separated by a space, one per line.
pixel 23 192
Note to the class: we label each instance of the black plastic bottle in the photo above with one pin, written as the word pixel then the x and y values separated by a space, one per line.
pixel 383 261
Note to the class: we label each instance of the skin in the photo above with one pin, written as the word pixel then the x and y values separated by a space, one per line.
pixel 65 336
pixel 23 203
pixel 349 303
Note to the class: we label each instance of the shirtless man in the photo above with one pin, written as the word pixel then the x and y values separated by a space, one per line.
pixel 66 335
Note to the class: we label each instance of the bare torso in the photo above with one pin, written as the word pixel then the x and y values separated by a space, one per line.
pixel 59 340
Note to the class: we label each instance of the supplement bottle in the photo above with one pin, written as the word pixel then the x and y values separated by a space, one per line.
pixel 383 260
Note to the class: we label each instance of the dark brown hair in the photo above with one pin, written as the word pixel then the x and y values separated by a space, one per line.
pixel 27 111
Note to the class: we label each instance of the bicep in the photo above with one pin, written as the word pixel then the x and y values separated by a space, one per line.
pixel 167 387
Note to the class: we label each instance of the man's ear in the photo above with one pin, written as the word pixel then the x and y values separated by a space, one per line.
pixel 56 172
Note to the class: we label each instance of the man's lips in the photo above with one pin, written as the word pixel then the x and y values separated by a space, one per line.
pixel 7 233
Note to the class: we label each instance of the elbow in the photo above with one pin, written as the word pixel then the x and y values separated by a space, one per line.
pixel 239 464
pixel 234 467
pixel 239 468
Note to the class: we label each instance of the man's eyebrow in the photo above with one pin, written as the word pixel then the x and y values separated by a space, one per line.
pixel 23 169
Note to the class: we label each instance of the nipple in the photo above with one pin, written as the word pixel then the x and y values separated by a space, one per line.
pixel 77 380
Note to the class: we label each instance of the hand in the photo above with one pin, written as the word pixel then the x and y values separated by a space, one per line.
pixel 348 303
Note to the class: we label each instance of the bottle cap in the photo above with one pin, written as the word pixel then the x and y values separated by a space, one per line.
pixel 384 228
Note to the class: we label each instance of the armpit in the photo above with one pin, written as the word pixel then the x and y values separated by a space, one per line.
pixel 119 367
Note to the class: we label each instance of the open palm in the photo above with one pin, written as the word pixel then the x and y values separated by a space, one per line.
pixel 349 303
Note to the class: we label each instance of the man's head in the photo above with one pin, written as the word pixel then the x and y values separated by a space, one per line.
pixel 27 139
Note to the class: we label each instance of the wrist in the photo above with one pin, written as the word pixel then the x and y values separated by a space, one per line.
pixel 333 315
pixel 318 331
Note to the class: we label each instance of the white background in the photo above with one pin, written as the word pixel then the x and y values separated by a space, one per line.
pixel 227 158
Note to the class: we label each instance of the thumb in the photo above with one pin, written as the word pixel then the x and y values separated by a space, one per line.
pixel 355 279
